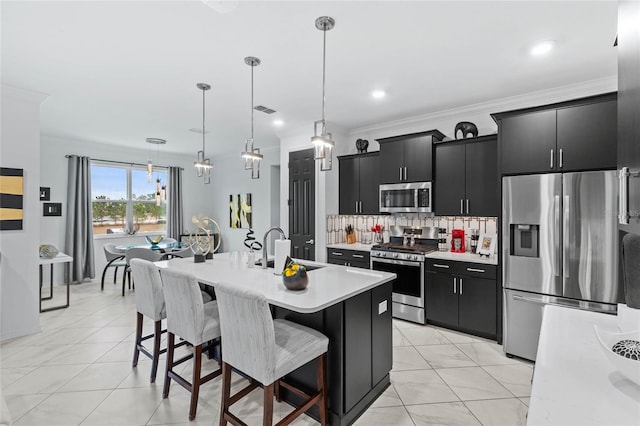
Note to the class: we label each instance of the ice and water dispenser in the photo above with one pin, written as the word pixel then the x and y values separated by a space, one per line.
pixel 525 240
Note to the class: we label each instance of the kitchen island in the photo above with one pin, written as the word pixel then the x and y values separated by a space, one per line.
pixel 351 306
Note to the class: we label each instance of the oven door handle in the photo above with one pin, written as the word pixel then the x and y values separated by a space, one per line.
pixel 396 262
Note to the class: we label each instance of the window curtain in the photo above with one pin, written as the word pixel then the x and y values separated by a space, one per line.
pixel 174 227
pixel 79 230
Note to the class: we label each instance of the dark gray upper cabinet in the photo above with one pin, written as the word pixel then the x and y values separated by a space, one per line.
pixel 358 183
pixel 569 136
pixel 408 158
pixel 466 177
pixel 586 136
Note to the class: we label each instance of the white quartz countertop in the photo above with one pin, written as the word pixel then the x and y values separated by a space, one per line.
pixel 463 257
pixel 327 286
pixel 354 246
pixel 573 382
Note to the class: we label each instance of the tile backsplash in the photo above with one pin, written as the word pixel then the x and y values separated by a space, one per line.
pixel 363 223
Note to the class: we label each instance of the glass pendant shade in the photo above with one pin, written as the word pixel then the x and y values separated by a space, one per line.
pixel 149 171
pixel 251 155
pixel 203 165
pixel 322 141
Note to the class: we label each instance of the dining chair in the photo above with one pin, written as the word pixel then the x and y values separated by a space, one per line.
pixel 266 350
pixel 193 321
pixel 137 253
pixel 115 259
pixel 149 303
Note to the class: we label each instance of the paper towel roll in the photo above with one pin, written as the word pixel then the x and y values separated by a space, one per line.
pixel 282 250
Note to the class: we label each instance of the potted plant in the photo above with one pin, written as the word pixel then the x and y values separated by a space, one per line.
pixel 351 234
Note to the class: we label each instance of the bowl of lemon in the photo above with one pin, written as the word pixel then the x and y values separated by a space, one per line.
pixel 294 276
pixel 154 240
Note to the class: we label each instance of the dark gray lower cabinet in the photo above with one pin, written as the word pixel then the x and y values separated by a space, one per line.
pixel 462 296
pixel 354 258
pixel 360 353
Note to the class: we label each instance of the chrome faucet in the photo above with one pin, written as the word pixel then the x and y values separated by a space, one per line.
pixel 264 244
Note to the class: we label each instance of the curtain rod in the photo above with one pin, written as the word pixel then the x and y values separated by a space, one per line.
pixel 128 163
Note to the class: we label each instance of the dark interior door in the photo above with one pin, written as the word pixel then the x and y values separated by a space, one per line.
pixel 302 204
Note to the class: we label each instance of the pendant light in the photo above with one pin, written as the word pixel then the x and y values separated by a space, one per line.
pixel 252 155
pixel 161 190
pixel 203 165
pixel 322 142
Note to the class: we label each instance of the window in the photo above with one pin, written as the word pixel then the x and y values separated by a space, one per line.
pixel 123 199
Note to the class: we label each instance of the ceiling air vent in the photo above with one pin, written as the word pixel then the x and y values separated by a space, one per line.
pixel 264 109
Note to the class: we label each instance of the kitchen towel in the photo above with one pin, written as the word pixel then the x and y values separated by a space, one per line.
pixel 282 250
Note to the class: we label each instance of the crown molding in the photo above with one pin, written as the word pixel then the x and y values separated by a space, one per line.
pixel 23 94
pixel 542 97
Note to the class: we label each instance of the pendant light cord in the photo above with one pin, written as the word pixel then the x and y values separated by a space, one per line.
pixel 324 59
pixel 252 67
pixel 203 131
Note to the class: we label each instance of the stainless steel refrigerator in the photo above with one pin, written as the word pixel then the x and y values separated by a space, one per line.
pixel 559 246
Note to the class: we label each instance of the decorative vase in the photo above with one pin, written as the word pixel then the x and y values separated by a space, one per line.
pixel 47 251
pixel 153 241
pixel 296 282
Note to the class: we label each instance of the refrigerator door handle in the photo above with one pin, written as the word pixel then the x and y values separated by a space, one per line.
pixel 623 190
pixel 567 304
pixel 556 243
pixel 551 160
pixel 566 238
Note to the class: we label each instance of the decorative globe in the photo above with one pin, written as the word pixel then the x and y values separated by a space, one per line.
pixel 294 277
pixel 47 251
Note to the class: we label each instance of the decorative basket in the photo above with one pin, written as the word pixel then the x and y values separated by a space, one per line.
pixel 47 251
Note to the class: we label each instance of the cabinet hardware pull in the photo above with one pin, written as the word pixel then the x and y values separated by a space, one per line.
pixel 357 256
pixel 437 265
pixel 467 206
pixel 356 207
pixel 360 206
pixel 552 160
pixel 400 169
pixel 405 173
pixel 454 285
pixel 461 206
pixel 460 286
pixel 475 270
pixel 311 241
pixel 560 157
pixel 336 253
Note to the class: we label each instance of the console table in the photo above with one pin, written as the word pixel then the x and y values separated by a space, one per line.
pixel 60 258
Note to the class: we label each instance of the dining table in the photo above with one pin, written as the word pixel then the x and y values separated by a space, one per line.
pixel 351 306
pixel 164 247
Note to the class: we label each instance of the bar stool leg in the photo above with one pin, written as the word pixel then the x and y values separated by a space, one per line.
pixel 322 387
pixel 226 392
pixel 167 379
pixel 157 334
pixel 268 406
pixel 138 341
pixel 195 381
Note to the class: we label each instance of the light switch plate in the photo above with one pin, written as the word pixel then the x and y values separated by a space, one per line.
pixel 382 307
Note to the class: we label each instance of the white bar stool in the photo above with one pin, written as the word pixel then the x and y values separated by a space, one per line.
pixel 266 350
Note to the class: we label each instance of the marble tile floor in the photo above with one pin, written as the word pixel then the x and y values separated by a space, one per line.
pixel 77 371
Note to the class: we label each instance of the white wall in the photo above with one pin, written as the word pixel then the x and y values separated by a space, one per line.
pixel 19 148
pixel 197 197
pixel 230 177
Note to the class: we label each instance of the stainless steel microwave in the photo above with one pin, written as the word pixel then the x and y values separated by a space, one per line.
pixel 405 197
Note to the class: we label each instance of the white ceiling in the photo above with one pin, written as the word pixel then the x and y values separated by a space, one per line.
pixel 119 72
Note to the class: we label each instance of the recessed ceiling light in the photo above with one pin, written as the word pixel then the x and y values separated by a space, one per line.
pixel 542 48
pixel 378 94
pixel 278 123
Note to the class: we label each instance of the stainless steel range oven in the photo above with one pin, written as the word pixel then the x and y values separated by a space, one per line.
pixel 404 256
